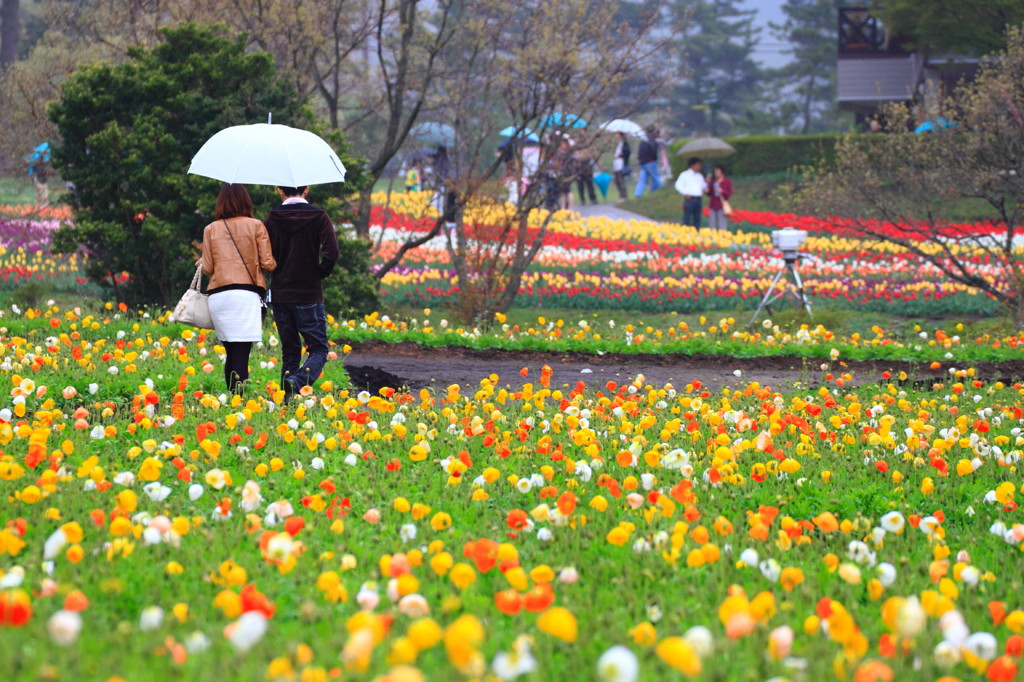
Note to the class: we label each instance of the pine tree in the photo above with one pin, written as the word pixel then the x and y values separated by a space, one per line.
pixel 715 53
pixel 809 80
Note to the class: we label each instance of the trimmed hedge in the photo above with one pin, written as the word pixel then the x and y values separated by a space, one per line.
pixel 764 154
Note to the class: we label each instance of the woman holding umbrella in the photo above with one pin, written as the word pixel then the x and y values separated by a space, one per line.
pixel 236 252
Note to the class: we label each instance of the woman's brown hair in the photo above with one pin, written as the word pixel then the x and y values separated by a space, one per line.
pixel 233 201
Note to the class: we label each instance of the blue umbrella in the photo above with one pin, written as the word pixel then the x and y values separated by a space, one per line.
pixel 603 180
pixel 41 151
pixel 433 134
pixel 935 125
pixel 524 133
pixel 560 120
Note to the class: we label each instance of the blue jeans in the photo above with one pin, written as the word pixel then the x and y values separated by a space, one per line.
pixel 691 211
pixel 308 320
pixel 648 171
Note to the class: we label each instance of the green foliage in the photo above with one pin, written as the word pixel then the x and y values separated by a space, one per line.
pixel 972 27
pixel 351 290
pixel 30 295
pixel 127 135
pixel 763 154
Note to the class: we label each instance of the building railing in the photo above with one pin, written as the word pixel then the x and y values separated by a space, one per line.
pixel 861 33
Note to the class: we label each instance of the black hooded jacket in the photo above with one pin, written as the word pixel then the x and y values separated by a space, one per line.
pixel 306 250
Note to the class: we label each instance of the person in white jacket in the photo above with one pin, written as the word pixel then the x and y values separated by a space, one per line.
pixel 692 185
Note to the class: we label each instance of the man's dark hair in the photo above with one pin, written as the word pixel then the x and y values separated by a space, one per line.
pixel 293 191
pixel 692 162
pixel 720 167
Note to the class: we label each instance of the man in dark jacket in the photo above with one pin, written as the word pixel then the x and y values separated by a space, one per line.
pixel 306 250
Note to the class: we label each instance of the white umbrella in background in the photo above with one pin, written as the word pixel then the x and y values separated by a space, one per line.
pixel 707 148
pixel 268 154
pixel 623 125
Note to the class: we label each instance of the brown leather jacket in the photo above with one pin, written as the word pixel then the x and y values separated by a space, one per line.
pixel 222 262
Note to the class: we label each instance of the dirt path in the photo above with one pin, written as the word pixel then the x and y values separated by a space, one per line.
pixel 375 364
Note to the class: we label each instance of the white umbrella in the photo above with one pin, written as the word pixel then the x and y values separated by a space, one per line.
pixel 623 125
pixel 268 154
pixel 706 147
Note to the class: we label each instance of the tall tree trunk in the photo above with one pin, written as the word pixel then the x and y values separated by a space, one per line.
pixel 10 31
pixel 362 221
pixel 808 98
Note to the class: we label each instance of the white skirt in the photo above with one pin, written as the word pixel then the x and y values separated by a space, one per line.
pixel 236 315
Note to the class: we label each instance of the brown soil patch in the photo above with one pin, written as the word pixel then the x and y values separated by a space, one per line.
pixel 373 364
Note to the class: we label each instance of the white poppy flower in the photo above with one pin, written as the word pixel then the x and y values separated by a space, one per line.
pixel 770 569
pixel 151 618
pixel 251 498
pixel 54 544
pixel 886 574
pixel 983 645
pixel 247 631
pixel 156 491
pixel 946 655
pixel 618 664
pixel 749 556
pixel 911 618
pixel 700 638
pixel 64 627
pixel 520 661
pixel 197 642
pixel 367 597
pixel 970 575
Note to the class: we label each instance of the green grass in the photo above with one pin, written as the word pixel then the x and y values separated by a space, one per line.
pixel 20 190
pixel 749 194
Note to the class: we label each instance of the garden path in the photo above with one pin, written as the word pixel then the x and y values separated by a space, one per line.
pixel 608 210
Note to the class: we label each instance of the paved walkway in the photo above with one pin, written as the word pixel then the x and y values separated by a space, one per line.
pixel 608 210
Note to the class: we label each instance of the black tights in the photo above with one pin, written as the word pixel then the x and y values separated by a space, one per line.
pixel 236 364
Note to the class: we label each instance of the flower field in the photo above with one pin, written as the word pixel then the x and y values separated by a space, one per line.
pixel 600 263
pixel 155 528
pixel 25 257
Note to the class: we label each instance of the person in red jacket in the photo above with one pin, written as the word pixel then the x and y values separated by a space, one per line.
pixel 720 189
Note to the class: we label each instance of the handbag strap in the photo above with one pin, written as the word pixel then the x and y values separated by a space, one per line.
pixel 251 278
pixel 197 279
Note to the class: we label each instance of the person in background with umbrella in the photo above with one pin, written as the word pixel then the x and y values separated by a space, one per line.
pixel 38 168
pixel 692 185
pixel 236 252
pixel 620 164
pixel 720 189
pixel 306 249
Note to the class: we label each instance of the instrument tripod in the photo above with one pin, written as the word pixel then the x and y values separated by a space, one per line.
pixel 777 289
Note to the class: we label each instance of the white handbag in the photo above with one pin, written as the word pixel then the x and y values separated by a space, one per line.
pixel 194 306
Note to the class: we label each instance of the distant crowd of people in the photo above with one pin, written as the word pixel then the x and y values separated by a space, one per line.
pixel 554 166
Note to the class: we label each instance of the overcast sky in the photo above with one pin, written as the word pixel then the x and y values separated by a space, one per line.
pixel 769 52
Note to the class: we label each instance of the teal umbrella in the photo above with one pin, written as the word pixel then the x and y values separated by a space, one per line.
pixel 560 120
pixel 432 134
pixel 603 180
